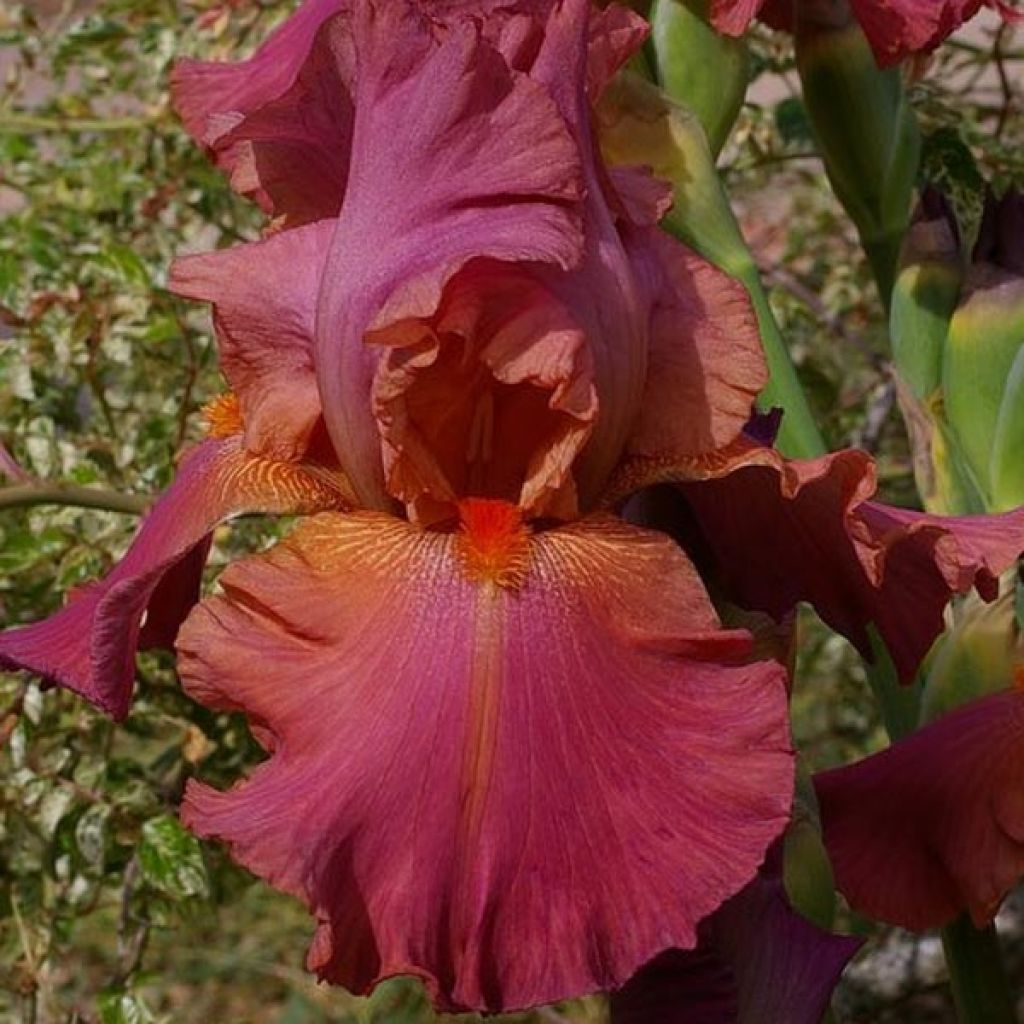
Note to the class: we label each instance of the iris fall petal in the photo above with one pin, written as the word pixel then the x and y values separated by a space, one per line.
pixel 89 646
pixel 556 773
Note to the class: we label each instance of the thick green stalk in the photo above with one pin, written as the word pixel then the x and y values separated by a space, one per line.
pixel 981 990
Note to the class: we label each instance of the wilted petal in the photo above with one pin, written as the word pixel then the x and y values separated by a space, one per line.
pixel 89 646
pixel 264 304
pixel 455 156
pixel 757 960
pixel 518 782
pixel 706 365
pixel 934 825
pixel 787 531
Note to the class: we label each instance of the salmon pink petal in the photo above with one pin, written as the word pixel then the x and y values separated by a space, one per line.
pixel 934 825
pixel 280 123
pixel 492 396
pixel 757 960
pixel 89 646
pixel 504 762
pixel 706 365
pixel 787 531
pixel 264 305
pixel 454 156
pixel 614 35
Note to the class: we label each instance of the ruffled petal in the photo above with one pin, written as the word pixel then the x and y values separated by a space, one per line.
pixel 280 123
pixel 89 646
pixel 934 825
pixel 757 960
pixel 502 762
pixel 493 395
pixel 455 156
pixel 264 304
pixel 706 365
pixel 783 531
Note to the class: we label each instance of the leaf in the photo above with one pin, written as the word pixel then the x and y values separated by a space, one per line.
pixel 172 860
pixel 124 1008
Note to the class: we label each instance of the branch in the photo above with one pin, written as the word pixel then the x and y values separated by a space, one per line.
pixel 32 124
pixel 44 493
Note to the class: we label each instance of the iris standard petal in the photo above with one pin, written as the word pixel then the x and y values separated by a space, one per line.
pixel 264 304
pixel 504 762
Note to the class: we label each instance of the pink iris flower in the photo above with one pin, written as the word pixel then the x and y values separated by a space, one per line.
pixel 511 747
pixel 894 28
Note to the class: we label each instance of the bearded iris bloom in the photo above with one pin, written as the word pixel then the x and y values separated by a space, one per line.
pixel 895 28
pixel 511 748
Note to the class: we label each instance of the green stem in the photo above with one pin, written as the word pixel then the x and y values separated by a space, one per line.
pixel 799 436
pixel 900 704
pixel 981 990
pixel 31 124
pixel 26 495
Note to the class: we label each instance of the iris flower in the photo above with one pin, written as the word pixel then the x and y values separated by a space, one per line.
pixel 511 747
pixel 894 28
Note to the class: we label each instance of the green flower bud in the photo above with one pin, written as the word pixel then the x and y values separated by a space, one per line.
pixel 983 364
pixel 982 654
pixel 924 298
pixel 864 128
pixel 698 67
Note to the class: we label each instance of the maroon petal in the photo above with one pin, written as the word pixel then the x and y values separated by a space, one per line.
pixel 934 825
pixel 788 531
pixel 518 781
pixel 757 960
pixel 89 646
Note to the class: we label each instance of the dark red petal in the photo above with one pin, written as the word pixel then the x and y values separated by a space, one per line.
pixel 934 825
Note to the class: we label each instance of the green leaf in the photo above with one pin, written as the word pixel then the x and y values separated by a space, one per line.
pixel 172 860
pixel 124 1008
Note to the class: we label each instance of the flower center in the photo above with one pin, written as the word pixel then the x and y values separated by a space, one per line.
pixel 493 542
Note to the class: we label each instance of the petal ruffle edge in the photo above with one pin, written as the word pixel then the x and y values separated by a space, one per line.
pixel 518 793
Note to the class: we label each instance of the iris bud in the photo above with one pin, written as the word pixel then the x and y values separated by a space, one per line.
pixel 698 67
pixel 979 656
pixel 864 128
pixel 983 365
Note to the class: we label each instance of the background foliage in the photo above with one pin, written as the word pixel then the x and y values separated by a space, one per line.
pixel 109 910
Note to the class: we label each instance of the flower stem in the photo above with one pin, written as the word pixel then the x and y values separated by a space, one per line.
pixel 977 975
pixel 33 124
pixel 25 495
